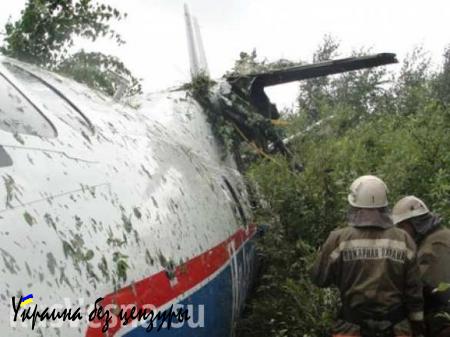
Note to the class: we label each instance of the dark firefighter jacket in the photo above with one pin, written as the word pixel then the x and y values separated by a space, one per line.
pixel 375 270
pixel 434 263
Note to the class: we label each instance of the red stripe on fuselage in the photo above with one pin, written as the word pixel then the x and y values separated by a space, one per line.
pixel 157 289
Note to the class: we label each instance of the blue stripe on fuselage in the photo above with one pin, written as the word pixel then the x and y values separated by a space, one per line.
pixel 211 307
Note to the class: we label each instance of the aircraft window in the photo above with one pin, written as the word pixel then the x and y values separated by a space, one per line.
pixel 19 115
pixel 240 209
pixel 51 98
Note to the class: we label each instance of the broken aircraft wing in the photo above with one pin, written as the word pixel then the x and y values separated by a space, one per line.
pixel 303 72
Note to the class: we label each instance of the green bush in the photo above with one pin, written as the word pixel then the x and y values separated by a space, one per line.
pixel 286 303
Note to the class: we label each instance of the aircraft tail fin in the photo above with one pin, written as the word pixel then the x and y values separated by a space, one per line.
pixel 201 50
pixel 197 57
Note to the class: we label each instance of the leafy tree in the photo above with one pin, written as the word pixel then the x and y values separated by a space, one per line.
pixel 412 89
pixel 362 91
pixel 45 34
pixel 441 84
pixel 316 91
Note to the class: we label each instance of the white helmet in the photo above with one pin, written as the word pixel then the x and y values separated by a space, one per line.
pixel 407 208
pixel 368 192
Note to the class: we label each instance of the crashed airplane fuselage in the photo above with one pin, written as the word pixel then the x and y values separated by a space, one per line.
pixel 137 206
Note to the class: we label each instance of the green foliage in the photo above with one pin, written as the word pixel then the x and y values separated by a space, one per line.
pixel 45 34
pixel 441 83
pixel 316 91
pixel 201 89
pixel 99 71
pixel 237 123
pixel 248 64
pixel 47 29
pixel 362 90
pixel 370 123
pixel 286 303
pixel 219 107
pixel 443 287
pixel 411 89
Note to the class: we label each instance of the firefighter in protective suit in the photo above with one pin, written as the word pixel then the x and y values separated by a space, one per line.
pixel 433 255
pixel 374 266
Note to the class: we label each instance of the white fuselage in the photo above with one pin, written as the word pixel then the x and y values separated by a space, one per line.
pixel 105 195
